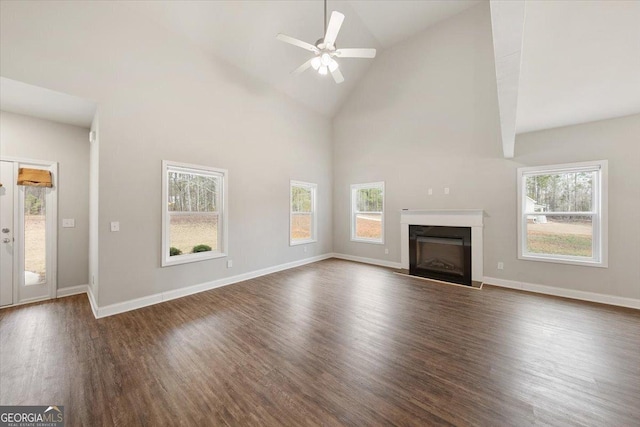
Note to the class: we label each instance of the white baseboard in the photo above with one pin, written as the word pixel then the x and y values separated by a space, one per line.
pixel 373 261
pixel 71 290
pixel 92 301
pixel 134 304
pixel 566 293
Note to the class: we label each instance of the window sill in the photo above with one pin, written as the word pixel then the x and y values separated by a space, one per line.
pixel 372 241
pixel 569 261
pixel 302 242
pixel 188 258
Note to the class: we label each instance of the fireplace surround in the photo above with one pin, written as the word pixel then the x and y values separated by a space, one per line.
pixel 470 219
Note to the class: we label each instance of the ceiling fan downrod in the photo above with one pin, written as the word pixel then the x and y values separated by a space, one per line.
pixel 324 30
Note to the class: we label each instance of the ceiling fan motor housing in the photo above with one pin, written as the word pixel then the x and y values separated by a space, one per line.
pixel 320 45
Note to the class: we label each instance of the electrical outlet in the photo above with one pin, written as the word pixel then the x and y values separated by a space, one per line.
pixel 229 263
pixel 115 226
pixel 501 265
pixel 305 249
pixel 446 190
pixel 386 251
pixel 430 191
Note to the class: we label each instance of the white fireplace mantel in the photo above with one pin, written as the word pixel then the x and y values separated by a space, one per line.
pixel 448 218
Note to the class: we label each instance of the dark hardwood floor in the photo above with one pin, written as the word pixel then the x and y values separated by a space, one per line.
pixel 333 343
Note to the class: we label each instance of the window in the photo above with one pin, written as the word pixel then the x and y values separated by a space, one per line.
pixel 302 216
pixel 367 212
pixel 194 213
pixel 562 213
pixel 35 235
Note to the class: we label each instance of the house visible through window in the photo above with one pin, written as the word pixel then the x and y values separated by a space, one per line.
pixel 367 212
pixel 562 213
pixel 302 217
pixel 194 213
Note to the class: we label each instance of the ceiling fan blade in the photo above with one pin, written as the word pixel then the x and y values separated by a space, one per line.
pixel 302 68
pixel 356 53
pixel 337 75
pixel 288 39
pixel 333 28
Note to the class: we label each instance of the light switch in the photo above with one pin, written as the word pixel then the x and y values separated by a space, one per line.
pixel 446 190
pixel 68 223
pixel 115 226
pixel 430 191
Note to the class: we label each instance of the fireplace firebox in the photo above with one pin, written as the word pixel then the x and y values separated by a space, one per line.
pixel 441 253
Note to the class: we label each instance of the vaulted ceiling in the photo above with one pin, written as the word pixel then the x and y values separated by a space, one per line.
pixel 243 33
pixel 558 63
pixel 580 63
pixel 561 63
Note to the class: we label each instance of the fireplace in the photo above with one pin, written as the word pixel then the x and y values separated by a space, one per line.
pixel 440 252
pixel 436 220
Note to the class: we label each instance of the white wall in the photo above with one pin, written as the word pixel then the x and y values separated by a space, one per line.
pixel 161 98
pixel 425 116
pixel 38 139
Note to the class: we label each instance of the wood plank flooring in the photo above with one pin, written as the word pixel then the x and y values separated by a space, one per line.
pixel 331 343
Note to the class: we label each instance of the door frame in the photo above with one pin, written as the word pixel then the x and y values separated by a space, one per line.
pixel 51 231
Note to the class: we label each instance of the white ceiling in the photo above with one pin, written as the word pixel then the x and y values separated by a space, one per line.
pixel 22 98
pixel 580 63
pixel 243 33
pixel 580 59
pixel 393 21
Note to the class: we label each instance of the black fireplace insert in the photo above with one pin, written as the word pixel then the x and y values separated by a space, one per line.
pixel 442 253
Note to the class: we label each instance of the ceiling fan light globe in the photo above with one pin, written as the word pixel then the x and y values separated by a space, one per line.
pixel 326 59
pixel 323 70
pixel 316 63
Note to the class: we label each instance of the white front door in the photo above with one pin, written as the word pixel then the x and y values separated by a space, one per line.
pixel 7 243
pixel 27 235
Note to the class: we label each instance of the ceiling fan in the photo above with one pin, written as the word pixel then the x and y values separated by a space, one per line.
pixel 325 51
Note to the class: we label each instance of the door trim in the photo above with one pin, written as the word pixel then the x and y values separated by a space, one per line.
pixel 51 230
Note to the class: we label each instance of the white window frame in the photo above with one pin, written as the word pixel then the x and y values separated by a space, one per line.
pixel 599 213
pixel 354 212
pixel 314 223
pixel 223 213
